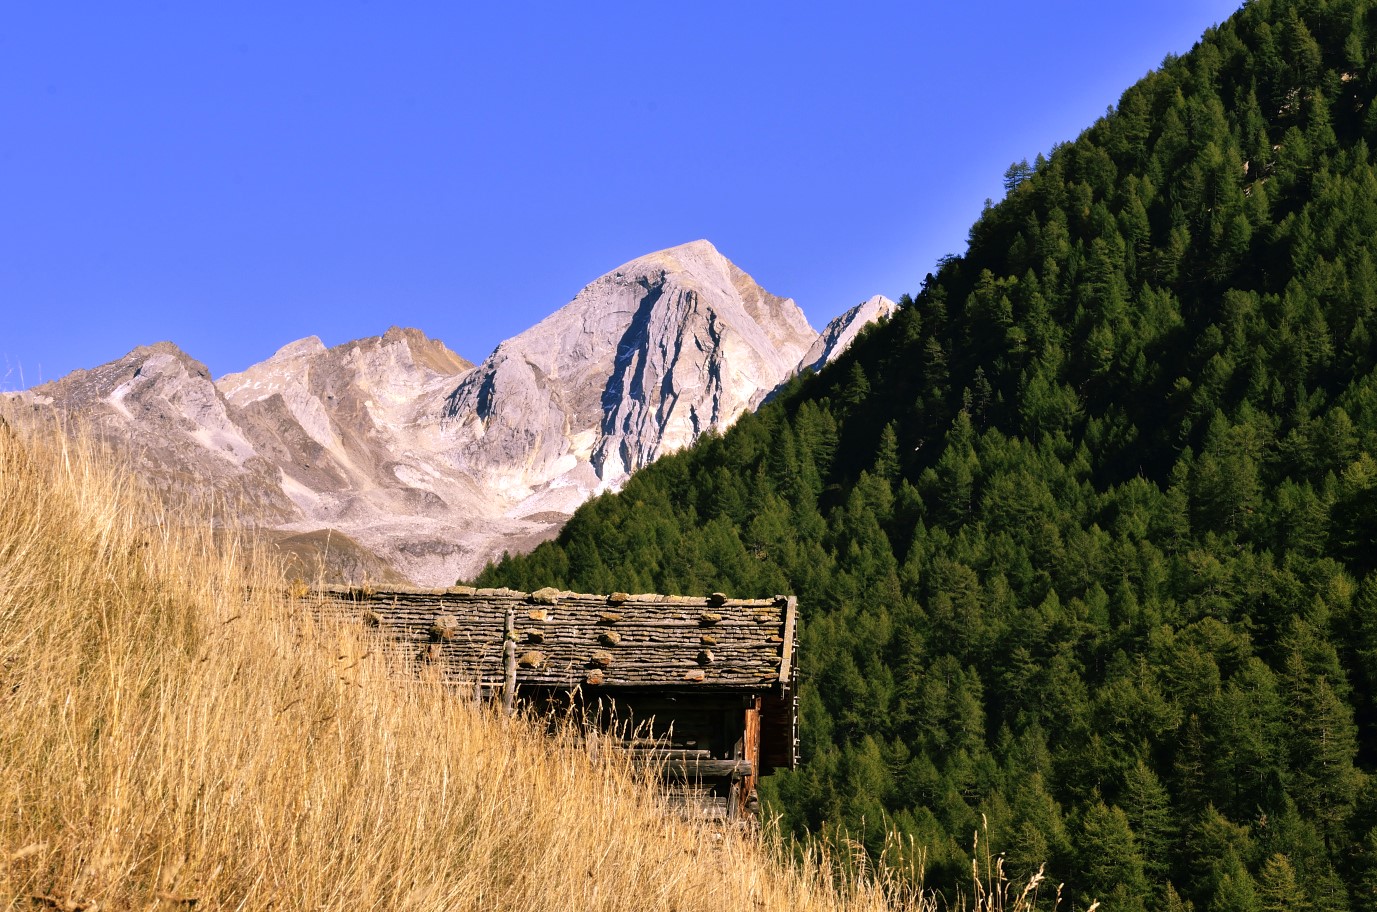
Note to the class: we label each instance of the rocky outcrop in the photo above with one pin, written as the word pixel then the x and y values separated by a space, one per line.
pixel 393 457
pixel 838 335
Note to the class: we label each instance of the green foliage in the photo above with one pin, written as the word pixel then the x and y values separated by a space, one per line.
pixel 1085 537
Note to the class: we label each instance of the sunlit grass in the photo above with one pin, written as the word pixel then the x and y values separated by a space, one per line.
pixel 170 741
pixel 167 741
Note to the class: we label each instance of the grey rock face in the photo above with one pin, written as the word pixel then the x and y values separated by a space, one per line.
pixel 159 408
pixel 392 456
pixel 841 332
pixel 638 364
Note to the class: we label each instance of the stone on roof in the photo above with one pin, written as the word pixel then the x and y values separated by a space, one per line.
pixel 569 639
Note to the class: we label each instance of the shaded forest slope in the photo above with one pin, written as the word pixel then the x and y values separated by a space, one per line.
pixel 1083 537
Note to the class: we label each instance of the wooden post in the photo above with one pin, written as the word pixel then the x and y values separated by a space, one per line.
pixel 509 663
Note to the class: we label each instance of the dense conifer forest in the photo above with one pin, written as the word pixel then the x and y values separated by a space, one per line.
pixel 1085 537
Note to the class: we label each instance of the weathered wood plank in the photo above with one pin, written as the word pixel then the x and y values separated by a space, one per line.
pixel 787 649
pixel 707 768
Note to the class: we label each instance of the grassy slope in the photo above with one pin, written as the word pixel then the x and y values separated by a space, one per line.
pixel 165 743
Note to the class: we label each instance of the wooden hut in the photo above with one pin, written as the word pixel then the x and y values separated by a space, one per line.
pixel 701 687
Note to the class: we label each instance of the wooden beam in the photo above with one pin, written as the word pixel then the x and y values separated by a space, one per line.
pixel 701 768
pixel 786 667
pixel 648 756
pixel 509 663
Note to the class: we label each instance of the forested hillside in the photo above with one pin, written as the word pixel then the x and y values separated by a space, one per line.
pixel 1083 537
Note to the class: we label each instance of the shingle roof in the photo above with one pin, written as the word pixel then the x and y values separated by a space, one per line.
pixel 566 639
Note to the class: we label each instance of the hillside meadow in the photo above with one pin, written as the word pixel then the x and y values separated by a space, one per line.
pixel 167 742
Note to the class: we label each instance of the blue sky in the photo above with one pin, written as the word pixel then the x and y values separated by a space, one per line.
pixel 236 176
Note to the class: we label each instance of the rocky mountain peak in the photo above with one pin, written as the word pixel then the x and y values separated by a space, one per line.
pixel 144 367
pixel 431 354
pixel 419 464
pixel 310 345
pixel 639 363
pixel 838 335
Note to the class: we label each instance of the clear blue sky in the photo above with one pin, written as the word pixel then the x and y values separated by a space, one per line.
pixel 236 176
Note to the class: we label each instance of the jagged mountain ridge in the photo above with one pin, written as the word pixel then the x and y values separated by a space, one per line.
pixel 417 464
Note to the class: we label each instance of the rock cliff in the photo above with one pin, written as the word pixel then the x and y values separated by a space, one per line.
pixel 838 335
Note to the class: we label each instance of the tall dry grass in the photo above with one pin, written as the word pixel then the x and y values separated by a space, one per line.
pixel 167 742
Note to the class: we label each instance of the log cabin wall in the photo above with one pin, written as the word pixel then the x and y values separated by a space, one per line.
pixel 700 687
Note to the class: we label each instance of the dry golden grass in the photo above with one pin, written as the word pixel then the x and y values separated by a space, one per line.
pixel 167 742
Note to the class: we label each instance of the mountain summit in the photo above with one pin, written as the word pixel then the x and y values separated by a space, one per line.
pixel 639 363
pixel 393 458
